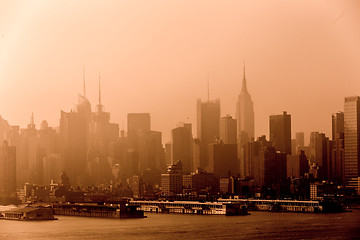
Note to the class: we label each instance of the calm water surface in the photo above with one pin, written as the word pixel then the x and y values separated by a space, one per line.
pixel 258 225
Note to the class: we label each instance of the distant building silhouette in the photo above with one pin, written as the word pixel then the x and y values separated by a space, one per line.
pixel 223 159
pixel 182 143
pixel 352 139
pixel 74 133
pixel 320 154
pixel 208 123
pixel 299 139
pixel 171 181
pixel 7 169
pixel 280 132
pixel 337 154
pixel 145 144
pixel 228 133
pixel 245 114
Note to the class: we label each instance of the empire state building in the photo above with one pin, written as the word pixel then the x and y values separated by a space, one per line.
pixel 245 114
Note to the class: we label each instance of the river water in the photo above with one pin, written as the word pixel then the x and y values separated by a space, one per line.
pixel 258 225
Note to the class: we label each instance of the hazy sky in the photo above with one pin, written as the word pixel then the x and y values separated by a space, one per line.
pixel 154 56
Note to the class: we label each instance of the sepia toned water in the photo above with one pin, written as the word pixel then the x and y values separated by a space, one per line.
pixel 258 225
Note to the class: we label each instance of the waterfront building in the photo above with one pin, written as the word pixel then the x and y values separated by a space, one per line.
pixel 245 114
pixel 204 182
pixel 280 132
pixel 352 139
pixel 228 133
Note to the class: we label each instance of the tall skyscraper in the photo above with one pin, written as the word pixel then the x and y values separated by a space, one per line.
pixel 145 144
pixel 182 142
pixel 228 130
pixel 337 151
pixel 74 132
pixel 352 138
pixel 299 139
pixel 7 169
pixel 280 132
pixel 208 123
pixel 245 114
pixel 337 124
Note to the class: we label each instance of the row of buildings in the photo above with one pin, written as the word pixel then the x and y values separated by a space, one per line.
pixel 92 150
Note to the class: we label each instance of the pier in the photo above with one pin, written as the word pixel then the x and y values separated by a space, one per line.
pixel 278 205
pixel 192 207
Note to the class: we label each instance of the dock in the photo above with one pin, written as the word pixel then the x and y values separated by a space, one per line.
pixel 120 210
pixel 192 207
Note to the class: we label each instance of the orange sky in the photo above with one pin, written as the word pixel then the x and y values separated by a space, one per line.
pixel 154 56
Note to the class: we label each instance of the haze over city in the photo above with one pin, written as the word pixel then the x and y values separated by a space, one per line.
pixel 155 56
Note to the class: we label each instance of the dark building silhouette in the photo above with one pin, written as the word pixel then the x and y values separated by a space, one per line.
pixel 204 182
pixel 182 142
pixel 7 169
pixel 208 123
pixel 245 114
pixel 352 139
pixel 145 145
pixel 320 154
pixel 228 133
pixel 337 153
pixel 171 181
pixel 337 125
pixel 269 168
pixel 74 132
pixel 223 159
pixel 297 165
pixel 280 132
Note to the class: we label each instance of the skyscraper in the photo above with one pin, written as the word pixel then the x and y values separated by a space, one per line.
pixel 145 144
pixel 245 114
pixel 74 132
pixel 280 132
pixel 337 124
pixel 208 123
pixel 228 130
pixel 337 151
pixel 182 142
pixel 7 169
pixel 352 138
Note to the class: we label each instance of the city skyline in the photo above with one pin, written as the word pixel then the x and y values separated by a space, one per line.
pixel 160 65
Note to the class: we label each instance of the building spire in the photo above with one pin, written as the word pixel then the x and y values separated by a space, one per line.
pixel 99 106
pixel 32 124
pixel 32 119
pixel 244 85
